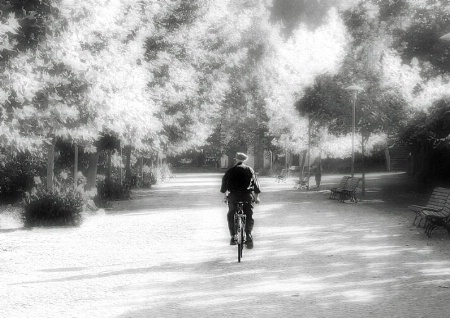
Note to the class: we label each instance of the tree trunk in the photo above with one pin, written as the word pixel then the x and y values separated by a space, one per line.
pixel 128 163
pixel 120 168
pixel 259 151
pixel 388 159
pixel 309 149
pixel 50 164
pixel 75 169
pixel 421 160
pixel 363 181
pixel 108 168
pixel 91 182
pixel 141 170
pixel 302 162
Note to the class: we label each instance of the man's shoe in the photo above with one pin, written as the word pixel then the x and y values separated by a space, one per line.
pixel 249 241
pixel 233 241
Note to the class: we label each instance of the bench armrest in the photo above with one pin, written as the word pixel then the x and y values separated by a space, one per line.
pixel 431 210
pixel 420 207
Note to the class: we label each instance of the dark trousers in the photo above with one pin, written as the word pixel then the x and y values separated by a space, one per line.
pixel 233 198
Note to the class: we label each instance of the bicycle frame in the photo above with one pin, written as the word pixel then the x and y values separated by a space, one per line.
pixel 239 222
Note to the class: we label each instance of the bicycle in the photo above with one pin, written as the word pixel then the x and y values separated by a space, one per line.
pixel 240 220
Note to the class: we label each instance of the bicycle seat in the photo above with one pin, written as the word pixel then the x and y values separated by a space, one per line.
pixel 243 202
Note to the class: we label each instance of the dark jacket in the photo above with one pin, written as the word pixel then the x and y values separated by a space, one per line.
pixel 240 179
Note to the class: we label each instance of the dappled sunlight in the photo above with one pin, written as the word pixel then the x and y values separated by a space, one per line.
pixel 299 284
pixel 436 271
pixel 10 219
pixel 382 253
pixel 340 264
pixel 268 207
pixel 168 254
pixel 358 295
pixel 290 231
pixel 376 236
pixel 430 263
pixel 440 269
pixel 303 240
pixel 207 299
pixel 187 184
pixel 374 201
pixel 361 250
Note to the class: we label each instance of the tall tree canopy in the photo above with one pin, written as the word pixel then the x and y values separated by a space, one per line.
pixel 164 76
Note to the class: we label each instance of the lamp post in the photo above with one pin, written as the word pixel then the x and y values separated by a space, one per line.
pixel 309 149
pixel 355 90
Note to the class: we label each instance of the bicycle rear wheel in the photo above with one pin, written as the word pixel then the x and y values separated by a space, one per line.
pixel 240 241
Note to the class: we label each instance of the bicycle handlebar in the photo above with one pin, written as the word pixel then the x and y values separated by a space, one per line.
pixel 253 201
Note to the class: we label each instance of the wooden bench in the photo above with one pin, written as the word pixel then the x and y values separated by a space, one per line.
pixel 349 192
pixel 435 219
pixel 436 202
pixel 336 190
pixel 282 176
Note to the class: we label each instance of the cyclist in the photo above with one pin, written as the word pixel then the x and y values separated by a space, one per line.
pixel 241 184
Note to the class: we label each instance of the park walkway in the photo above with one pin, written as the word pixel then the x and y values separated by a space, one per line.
pixel 166 254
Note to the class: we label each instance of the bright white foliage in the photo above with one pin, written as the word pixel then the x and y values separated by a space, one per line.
pixel 295 65
pixel 116 73
pixel 103 44
pixel 431 91
pixel 400 77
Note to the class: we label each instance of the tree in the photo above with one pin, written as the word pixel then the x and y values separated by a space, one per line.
pixel 416 39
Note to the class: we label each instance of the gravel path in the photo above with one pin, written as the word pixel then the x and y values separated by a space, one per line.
pixel 166 254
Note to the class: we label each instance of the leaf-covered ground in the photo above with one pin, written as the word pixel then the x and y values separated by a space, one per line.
pixel 166 254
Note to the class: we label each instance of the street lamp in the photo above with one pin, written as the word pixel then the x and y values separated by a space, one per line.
pixel 355 90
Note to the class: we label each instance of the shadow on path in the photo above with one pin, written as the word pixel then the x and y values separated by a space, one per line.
pixel 166 254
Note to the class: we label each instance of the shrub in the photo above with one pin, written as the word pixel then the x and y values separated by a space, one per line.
pixel 156 173
pixel 47 208
pixel 62 206
pixel 148 177
pixel 153 174
pixel 16 176
pixel 112 191
pixel 166 172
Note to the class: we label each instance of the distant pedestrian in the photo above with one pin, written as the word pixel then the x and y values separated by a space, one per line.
pixel 318 174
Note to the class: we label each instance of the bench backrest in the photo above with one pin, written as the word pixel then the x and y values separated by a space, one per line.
pixel 343 182
pixel 439 197
pixel 352 184
pixel 446 208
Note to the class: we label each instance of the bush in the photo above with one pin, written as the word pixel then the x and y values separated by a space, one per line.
pixel 148 177
pixel 112 191
pixel 47 208
pixel 62 206
pixel 16 176
pixel 155 173
pixel 166 172
pixel 162 172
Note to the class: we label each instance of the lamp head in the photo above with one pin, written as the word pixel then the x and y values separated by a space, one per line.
pixel 445 37
pixel 354 88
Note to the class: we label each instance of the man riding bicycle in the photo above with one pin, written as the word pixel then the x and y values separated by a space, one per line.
pixel 241 184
